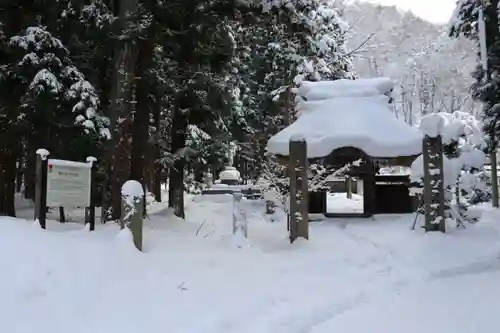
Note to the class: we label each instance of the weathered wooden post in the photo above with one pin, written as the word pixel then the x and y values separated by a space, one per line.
pixel 348 180
pixel 41 187
pixel 90 218
pixel 240 226
pixel 299 215
pixel 494 178
pixel 433 183
pixel 62 215
pixel 132 210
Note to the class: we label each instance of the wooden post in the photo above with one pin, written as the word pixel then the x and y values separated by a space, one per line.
pixel 90 211
pixel 62 215
pixel 368 176
pixel 239 217
pixel 91 217
pixel 132 210
pixel 19 175
pixel 299 215
pixel 41 187
pixel 348 180
pixel 433 184
pixel 494 178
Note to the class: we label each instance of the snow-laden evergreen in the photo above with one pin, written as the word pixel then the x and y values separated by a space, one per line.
pixel 466 22
pixel 46 74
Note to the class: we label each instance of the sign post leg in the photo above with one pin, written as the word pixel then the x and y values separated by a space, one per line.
pixel 41 190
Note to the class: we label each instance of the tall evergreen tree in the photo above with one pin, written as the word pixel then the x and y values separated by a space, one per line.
pixel 487 87
pixel 279 44
pixel 198 51
pixel 50 98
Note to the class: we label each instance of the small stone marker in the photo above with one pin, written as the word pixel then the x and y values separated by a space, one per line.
pixel 240 225
pixel 132 210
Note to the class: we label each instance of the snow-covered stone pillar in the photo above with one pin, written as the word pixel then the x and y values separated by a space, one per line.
pixel 299 208
pixel 433 183
pixel 240 226
pixel 132 210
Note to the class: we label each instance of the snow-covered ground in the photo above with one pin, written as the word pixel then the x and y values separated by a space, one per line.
pixel 340 203
pixel 354 275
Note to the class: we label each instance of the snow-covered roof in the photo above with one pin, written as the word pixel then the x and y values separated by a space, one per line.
pixel 321 90
pixel 363 122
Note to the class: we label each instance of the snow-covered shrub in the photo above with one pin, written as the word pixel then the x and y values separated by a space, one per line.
pixel 192 186
pixel 274 184
pixel 481 193
pixel 463 160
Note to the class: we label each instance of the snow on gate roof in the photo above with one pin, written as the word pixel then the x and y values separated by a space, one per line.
pixel 349 115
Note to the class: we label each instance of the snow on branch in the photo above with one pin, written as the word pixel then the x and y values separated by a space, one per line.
pixel 36 39
pixel 45 81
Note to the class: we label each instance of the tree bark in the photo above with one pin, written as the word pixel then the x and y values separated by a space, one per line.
pixel 176 179
pixel 157 176
pixel 120 109
pixel 140 127
pixel 7 181
pixel 8 158
pixel 19 173
pixel 30 171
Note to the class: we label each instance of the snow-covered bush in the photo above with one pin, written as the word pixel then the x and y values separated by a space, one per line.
pixel 463 160
pixel 192 185
pixel 274 184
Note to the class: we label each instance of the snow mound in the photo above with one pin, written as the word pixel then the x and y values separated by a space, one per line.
pixel 452 126
pixel 473 159
pixel 313 91
pixel 365 123
pixel 132 188
pixel 432 125
pixel 43 153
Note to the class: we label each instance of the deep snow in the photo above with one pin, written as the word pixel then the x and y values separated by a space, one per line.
pixel 354 275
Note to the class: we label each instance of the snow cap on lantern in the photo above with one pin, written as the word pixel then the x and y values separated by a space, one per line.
pixel 229 173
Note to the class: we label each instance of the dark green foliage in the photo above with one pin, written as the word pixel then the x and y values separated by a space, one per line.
pixel 486 88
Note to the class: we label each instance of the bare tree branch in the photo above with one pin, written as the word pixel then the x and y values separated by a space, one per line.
pixel 361 45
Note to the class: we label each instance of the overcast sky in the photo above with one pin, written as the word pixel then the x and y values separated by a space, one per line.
pixel 437 11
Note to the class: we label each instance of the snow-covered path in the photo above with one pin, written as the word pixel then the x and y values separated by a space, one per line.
pixel 352 276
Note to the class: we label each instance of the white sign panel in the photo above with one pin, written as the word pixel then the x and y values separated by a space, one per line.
pixel 68 184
